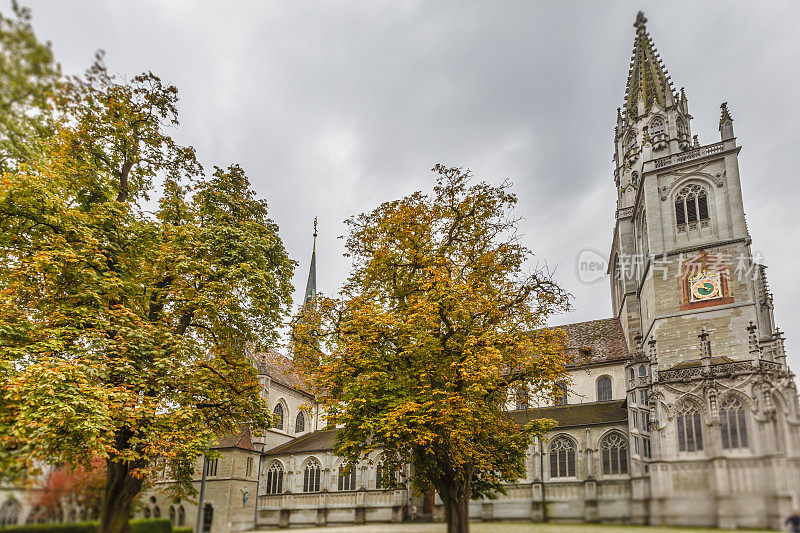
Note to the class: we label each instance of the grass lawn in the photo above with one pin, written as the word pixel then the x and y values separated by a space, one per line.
pixel 507 527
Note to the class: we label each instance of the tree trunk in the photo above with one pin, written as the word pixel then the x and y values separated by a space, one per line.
pixel 456 509
pixel 121 489
pixel 457 513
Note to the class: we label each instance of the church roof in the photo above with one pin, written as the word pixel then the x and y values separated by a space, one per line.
pixel 592 342
pixel 595 341
pixel 280 370
pixel 647 76
pixel 238 439
pixel 582 414
pixel 587 414
pixel 317 441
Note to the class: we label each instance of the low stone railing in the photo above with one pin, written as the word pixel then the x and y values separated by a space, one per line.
pixel 328 500
pixel 703 151
pixel 718 370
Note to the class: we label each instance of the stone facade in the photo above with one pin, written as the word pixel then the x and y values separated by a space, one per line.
pixel 227 495
pixel 708 382
pixel 679 410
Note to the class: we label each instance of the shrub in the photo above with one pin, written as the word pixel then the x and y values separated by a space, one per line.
pixel 83 527
pixel 158 525
pixel 183 530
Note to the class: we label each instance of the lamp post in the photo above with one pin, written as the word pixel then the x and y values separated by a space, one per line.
pixel 200 499
pixel 541 473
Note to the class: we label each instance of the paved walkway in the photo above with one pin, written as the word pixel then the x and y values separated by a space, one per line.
pixel 502 527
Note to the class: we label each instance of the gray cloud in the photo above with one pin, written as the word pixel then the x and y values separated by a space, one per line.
pixel 335 107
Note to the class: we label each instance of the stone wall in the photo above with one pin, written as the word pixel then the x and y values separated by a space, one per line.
pixel 292 402
pixel 330 508
pixel 231 493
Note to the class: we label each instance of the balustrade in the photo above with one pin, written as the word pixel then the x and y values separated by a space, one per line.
pixel 711 149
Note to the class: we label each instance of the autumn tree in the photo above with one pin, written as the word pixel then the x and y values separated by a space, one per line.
pixel 28 74
pixel 438 323
pixel 70 492
pixel 130 283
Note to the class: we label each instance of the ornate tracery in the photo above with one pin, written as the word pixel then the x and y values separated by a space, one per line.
pixel 614 453
pixel 562 457
pixel 275 478
pixel 690 433
pixel 691 207
pixel 733 424
pixel 311 476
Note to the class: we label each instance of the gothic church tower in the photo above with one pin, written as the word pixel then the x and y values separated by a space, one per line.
pixel 715 432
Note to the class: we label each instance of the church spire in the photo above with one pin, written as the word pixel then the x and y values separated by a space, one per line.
pixel 648 80
pixel 311 284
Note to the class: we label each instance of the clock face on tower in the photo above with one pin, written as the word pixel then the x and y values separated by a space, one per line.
pixel 705 286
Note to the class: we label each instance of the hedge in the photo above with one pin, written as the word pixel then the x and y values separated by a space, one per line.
pixel 83 527
pixel 183 530
pixel 158 525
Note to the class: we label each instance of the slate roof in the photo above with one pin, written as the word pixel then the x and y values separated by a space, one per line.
pixel 595 341
pixel 589 414
pixel 240 439
pixel 585 414
pixel 280 370
pixel 313 442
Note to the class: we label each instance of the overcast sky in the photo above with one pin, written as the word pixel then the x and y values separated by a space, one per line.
pixel 334 107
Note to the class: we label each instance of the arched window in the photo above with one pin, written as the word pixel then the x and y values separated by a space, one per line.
pixel 147 511
pixel 300 422
pixel 732 423
pixel 642 371
pixel 208 517
pixel 274 479
pixel 521 398
pixel 278 417
pixel 604 389
pixel 681 126
pixel 614 450
pixel 380 472
pixel 9 512
pixel 630 141
pixel 778 428
pixel 347 477
pixel 631 373
pixel 562 457
pixel 560 397
pixel 311 476
pixel 691 204
pixel 172 516
pixel 690 431
pixel 657 126
pixel 181 515
pixel 156 512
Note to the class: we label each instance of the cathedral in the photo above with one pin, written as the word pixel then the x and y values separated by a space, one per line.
pixel 680 408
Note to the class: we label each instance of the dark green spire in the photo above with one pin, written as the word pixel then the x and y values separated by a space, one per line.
pixel 647 77
pixel 311 284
